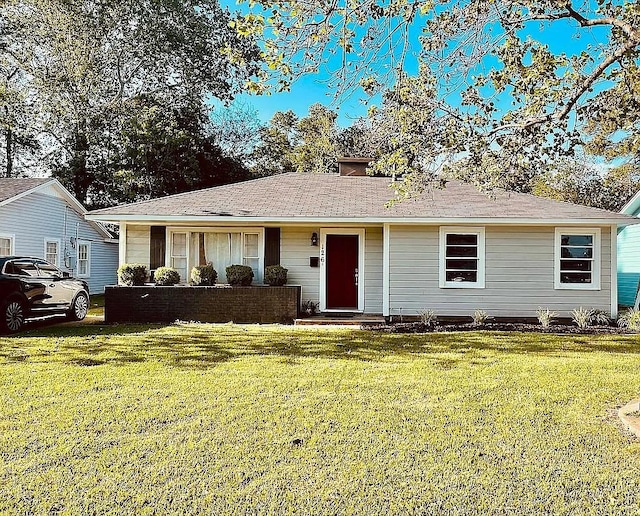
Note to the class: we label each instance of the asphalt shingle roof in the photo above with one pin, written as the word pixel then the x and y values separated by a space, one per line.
pixel 10 187
pixel 328 196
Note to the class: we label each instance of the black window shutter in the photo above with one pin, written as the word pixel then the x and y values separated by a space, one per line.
pixel 271 246
pixel 158 245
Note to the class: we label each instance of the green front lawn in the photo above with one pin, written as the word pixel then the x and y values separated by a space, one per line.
pixel 269 420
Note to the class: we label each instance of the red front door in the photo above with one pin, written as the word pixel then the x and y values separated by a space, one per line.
pixel 342 272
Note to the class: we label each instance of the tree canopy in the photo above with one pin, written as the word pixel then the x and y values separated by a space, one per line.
pixel 509 85
pixel 88 69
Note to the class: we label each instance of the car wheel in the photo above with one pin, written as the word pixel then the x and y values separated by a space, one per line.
pixel 79 307
pixel 13 315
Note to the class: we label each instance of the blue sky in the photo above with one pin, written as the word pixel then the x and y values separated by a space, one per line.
pixel 306 91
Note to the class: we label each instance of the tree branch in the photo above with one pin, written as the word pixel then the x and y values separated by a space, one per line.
pixel 573 99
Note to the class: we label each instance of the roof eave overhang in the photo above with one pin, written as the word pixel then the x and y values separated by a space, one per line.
pixel 631 208
pixel 507 221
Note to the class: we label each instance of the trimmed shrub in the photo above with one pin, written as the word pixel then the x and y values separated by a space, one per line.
pixel 275 275
pixel 239 275
pixel 166 276
pixel 204 275
pixel 132 274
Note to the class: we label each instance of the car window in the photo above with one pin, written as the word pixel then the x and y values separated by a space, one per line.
pixel 21 268
pixel 49 271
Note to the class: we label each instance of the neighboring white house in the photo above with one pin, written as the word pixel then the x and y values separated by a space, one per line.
pixel 40 218
pixel 453 250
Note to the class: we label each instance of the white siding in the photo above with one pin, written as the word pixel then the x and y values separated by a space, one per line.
pixel 40 216
pixel 296 249
pixel 138 245
pixel 373 271
pixel 519 275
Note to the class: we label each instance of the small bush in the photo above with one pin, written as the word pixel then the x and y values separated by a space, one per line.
pixel 275 275
pixel 630 319
pixel 309 307
pixel 546 316
pixel 239 275
pixel 600 317
pixel 131 274
pixel 582 317
pixel 204 275
pixel 166 276
pixel 428 317
pixel 480 317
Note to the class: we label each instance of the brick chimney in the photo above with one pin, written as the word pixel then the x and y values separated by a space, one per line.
pixel 353 166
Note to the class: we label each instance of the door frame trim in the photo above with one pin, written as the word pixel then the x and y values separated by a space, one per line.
pixel 360 233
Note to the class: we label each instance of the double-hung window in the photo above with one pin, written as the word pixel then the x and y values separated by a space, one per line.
pixel 51 251
pixel 6 245
pixel 462 260
pixel 577 259
pixel 84 259
pixel 251 254
pixel 179 254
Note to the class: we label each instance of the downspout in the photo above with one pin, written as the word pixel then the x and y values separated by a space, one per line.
pixel 65 254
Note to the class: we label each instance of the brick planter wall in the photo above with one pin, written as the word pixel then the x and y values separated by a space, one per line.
pixel 205 304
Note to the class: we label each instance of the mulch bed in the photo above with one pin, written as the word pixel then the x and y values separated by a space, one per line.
pixel 562 329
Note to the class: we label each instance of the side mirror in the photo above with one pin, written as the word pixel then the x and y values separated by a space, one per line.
pixel 65 274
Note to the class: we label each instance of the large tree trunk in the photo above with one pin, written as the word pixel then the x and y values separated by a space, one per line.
pixel 9 153
pixel 9 144
pixel 80 179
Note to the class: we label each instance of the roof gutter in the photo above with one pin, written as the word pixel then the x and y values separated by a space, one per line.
pixel 328 221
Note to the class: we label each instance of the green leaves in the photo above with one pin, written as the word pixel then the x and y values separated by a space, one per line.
pixel 519 80
pixel 89 66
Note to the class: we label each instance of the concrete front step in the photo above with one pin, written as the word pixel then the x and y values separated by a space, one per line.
pixel 345 320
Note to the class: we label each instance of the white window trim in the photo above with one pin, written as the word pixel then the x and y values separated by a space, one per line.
pixel 169 251
pixel 462 230
pixel 12 243
pixel 597 262
pixel 88 244
pixel 218 229
pixel 52 241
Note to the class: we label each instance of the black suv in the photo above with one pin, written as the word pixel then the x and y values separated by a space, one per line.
pixel 32 287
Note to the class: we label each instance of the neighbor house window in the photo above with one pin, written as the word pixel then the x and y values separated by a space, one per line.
pixel 84 257
pixel 577 259
pixel 51 251
pixel 6 245
pixel 462 263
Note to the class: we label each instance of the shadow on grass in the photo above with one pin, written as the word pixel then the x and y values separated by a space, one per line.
pixel 204 346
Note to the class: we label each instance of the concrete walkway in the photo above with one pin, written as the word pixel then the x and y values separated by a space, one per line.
pixel 630 417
